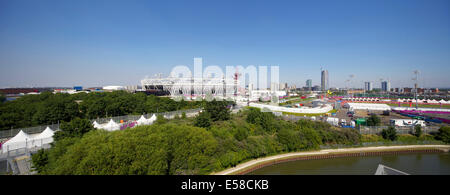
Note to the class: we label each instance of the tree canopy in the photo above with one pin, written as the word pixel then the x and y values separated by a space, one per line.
pixel 177 147
pixel 48 108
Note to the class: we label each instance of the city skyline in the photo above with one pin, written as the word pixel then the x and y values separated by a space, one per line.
pixel 98 43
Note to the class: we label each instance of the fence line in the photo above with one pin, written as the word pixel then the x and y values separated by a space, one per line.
pixel 24 148
pixel 38 129
pixel 367 130
pixel 388 143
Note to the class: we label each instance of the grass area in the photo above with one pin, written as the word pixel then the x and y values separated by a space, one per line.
pixel 310 114
pixel 296 101
pixel 422 105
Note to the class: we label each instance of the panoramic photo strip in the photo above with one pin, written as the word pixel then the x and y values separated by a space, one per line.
pixel 224 95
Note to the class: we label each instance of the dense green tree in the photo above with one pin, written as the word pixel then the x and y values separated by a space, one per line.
pixel 160 119
pixel 390 133
pixel 2 98
pixel 373 120
pixel 291 140
pixel 203 120
pixel 444 134
pixel 241 133
pixel 265 119
pixel 154 149
pixel 47 108
pixel 40 160
pixel 418 130
pixel 218 110
pixel 75 128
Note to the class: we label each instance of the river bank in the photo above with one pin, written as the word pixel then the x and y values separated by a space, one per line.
pixel 252 165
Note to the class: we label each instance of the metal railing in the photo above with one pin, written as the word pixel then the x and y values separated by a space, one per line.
pixel 38 129
pixel 24 148
pixel 385 143
pixel 367 130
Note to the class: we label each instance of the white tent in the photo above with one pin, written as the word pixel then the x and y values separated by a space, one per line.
pixel 96 125
pixel 45 137
pixel 111 126
pixel 152 119
pixel 143 121
pixel 21 140
pixel 333 121
pixel 367 106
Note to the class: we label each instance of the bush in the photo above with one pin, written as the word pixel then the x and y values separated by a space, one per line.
pixel 153 149
pixel 75 128
pixel 218 110
pixel 444 134
pixel 160 120
pixel 40 160
pixel 263 119
pixel 203 120
pixel 389 133
pixel 418 130
pixel 373 120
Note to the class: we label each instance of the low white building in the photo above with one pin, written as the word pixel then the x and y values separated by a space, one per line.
pixel 113 88
pixel 366 106
pixel 255 95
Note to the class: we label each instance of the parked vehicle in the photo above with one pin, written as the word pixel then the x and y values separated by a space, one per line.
pixel 407 122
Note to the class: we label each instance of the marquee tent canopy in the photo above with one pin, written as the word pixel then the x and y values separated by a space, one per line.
pixel 152 119
pixel 364 106
pixel 111 126
pixel 17 142
pixel 143 121
pixel 45 137
pixel 96 125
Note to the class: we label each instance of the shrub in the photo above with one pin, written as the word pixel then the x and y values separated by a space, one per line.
pixel 160 120
pixel 203 120
pixel 373 120
pixel 218 110
pixel 389 133
pixel 444 134
pixel 418 130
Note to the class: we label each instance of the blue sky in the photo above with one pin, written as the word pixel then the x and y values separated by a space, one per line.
pixel 114 42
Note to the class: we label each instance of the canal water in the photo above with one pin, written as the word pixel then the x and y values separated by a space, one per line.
pixel 414 164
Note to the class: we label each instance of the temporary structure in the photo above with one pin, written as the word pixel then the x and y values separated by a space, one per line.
pixel 45 137
pixel 152 119
pixel 96 125
pixel 142 121
pixel 333 121
pixel 21 140
pixel 111 126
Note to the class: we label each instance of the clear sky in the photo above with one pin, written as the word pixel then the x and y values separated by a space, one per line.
pixel 115 42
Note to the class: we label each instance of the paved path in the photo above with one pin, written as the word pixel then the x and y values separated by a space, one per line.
pixel 251 163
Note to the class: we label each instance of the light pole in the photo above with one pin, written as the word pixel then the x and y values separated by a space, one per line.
pixel 416 72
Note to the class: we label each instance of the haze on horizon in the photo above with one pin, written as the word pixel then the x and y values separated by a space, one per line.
pixel 100 42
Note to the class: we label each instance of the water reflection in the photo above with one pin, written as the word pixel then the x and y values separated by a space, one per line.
pixel 437 163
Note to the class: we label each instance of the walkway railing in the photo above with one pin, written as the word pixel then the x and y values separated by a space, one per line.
pixel 366 130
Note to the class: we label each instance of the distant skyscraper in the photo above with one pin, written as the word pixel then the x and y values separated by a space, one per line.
pixel 309 84
pixel 324 81
pixel 368 86
pixel 386 86
pixel 274 86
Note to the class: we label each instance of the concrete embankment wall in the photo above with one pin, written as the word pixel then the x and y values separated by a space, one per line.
pixel 330 155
